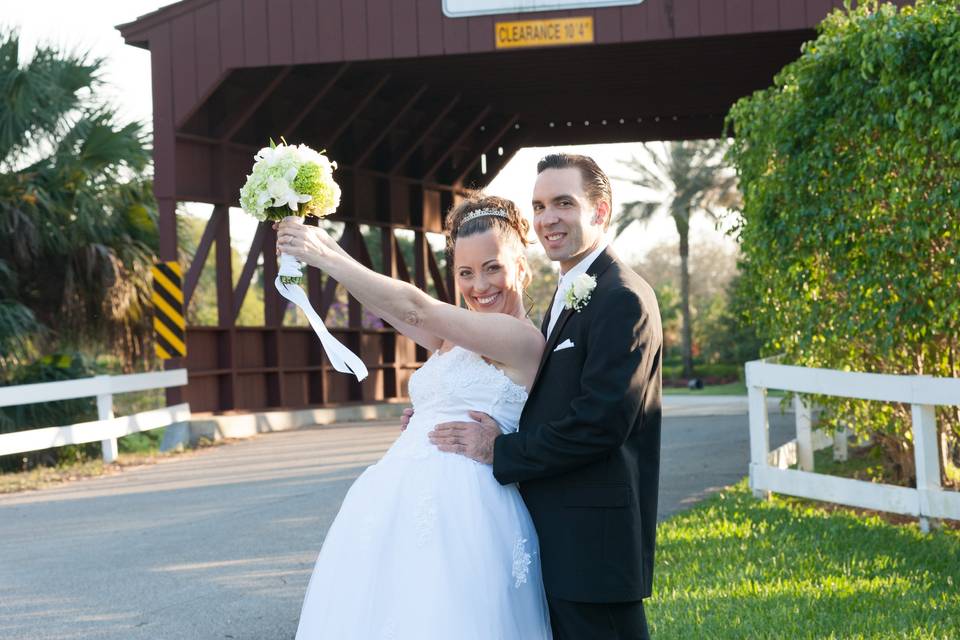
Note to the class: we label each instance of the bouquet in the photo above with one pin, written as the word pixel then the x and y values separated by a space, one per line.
pixel 290 182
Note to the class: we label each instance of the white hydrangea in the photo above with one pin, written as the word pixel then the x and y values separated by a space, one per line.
pixel 271 181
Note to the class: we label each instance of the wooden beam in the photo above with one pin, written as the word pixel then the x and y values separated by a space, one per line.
pixel 330 287
pixel 255 104
pixel 314 276
pixel 200 257
pixel 420 249
pixel 224 270
pixel 356 111
pixel 424 135
pixel 501 132
pixel 253 256
pixel 167 229
pixel 273 303
pixel 390 126
pixel 189 137
pixel 469 129
pixel 387 252
pixel 315 100
pixel 437 277
pixel 402 271
pixel 362 251
pixel 354 308
pixel 495 162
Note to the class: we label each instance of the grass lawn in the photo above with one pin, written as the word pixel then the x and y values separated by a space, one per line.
pixel 738 567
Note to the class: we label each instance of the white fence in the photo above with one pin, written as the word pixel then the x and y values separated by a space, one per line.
pixel 108 428
pixel 769 472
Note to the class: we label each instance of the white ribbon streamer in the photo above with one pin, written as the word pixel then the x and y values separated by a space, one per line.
pixel 342 359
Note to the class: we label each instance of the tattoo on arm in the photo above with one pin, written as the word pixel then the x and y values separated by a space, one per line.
pixel 413 318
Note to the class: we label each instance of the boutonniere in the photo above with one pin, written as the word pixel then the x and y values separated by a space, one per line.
pixel 579 292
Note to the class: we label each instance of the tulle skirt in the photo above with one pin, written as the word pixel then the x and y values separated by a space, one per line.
pixel 427 546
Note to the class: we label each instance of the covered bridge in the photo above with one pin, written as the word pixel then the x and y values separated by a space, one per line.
pixel 416 100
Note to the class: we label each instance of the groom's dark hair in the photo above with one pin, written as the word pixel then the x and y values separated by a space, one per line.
pixel 596 184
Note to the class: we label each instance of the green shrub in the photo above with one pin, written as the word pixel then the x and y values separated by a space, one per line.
pixel 850 166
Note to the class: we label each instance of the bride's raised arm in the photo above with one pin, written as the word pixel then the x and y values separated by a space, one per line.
pixel 501 337
pixel 422 337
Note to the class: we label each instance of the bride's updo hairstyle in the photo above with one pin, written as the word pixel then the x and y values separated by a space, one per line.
pixel 513 228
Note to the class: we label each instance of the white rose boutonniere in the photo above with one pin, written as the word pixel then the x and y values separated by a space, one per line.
pixel 579 292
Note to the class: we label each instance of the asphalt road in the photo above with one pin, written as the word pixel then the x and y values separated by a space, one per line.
pixel 220 543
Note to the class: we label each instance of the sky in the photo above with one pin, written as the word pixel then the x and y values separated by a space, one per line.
pixel 90 26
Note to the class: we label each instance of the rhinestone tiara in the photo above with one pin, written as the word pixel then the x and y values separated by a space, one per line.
pixel 479 213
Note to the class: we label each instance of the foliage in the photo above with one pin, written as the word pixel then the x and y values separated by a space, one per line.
pixel 77 219
pixel 728 335
pixel 712 267
pixel 685 178
pixel 17 322
pixel 737 567
pixel 709 372
pixel 850 166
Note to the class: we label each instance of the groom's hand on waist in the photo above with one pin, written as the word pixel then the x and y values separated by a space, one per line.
pixel 471 439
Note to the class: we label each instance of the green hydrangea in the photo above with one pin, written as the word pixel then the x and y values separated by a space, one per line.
pixel 290 180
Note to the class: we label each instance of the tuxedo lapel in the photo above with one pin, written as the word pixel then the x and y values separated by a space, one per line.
pixel 552 340
pixel 604 260
pixel 546 316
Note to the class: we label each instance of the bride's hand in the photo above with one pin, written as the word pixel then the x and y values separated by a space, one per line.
pixel 308 244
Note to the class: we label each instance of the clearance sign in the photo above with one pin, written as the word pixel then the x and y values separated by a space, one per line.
pixel 539 33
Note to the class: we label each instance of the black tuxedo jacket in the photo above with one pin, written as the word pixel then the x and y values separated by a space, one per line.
pixel 587 452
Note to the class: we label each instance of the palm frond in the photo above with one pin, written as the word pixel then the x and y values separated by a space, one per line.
pixel 636 211
pixel 38 96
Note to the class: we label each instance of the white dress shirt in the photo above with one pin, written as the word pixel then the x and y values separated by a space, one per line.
pixel 566 279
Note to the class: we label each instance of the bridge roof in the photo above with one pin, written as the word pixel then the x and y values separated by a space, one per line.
pixel 395 89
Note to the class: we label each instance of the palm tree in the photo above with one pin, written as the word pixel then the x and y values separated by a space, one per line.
pixel 686 178
pixel 77 217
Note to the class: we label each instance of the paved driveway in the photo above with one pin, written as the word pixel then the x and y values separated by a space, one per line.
pixel 219 543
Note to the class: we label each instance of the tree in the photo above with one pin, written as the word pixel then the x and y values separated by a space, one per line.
pixel 712 266
pixel 686 178
pixel 77 218
pixel 851 218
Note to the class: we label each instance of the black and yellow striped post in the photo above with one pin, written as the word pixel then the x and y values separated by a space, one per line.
pixel 168 323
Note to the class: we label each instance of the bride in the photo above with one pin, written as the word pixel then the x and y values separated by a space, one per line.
pixel 428 545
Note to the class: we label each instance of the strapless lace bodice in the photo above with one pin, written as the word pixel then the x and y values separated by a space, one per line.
pixel 458 381
pixel 450 385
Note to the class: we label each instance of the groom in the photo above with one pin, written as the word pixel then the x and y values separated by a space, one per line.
pixel 587 452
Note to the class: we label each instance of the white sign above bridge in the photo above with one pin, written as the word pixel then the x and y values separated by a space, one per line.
pixel 464 8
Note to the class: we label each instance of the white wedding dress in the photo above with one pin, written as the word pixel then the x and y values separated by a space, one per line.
pixel 428 545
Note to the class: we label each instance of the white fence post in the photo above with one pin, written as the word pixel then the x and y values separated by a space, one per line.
pixel 804 433
pixel 759 432
pixel 105 412
pixel 840 436
pixel 926 456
